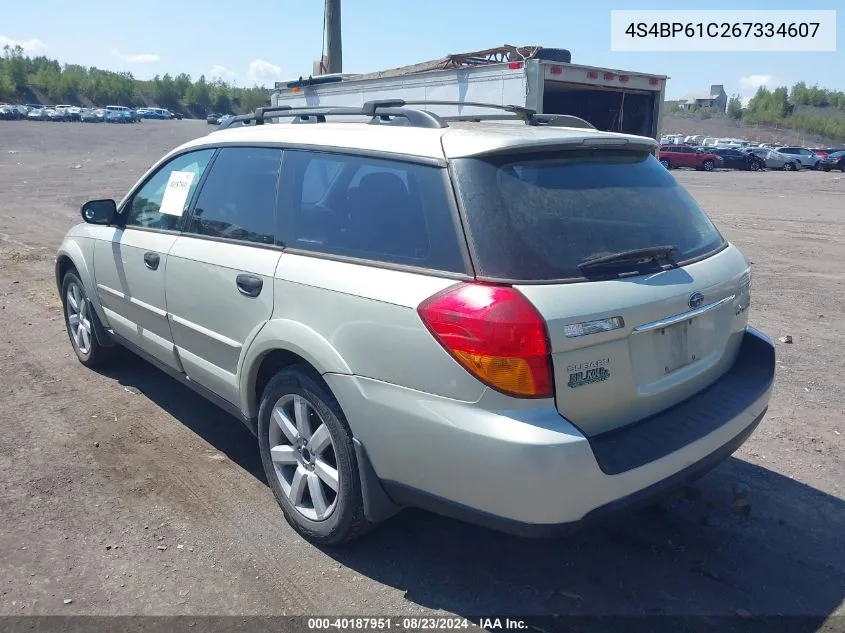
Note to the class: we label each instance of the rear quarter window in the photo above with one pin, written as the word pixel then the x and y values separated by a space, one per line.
pixel 373 209
pixel 536 217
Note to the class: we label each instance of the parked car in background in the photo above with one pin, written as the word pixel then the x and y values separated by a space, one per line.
pixel 124 114
pixel 212 118
pixel 821 152
pixel 672 156
pixel 100 113
pixel 114 116
pixel 9 112
pixel 735 158
pixel 806 157
pixel 38 114
pixel 89 116
pixel 774 159
pixel 836 160
pixel 57 115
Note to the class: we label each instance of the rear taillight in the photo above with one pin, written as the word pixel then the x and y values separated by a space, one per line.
pixel 496 334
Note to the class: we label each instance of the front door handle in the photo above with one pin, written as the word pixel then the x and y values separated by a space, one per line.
pixel 249 285
pixel 151 260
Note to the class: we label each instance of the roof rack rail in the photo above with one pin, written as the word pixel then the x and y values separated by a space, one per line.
pixel 380 111
pixel 556 120
pixel 397 110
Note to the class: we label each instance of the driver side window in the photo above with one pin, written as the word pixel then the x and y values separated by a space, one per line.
pixel 151 208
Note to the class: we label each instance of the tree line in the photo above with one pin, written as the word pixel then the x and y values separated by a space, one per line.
pixel 783 107
pixel 71 83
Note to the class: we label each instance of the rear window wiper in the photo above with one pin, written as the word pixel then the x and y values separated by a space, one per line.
pixel 647 254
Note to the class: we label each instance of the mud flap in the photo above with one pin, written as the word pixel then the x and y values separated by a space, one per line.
pixel 377 505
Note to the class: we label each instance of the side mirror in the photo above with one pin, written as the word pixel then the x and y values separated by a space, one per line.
pixel 100 212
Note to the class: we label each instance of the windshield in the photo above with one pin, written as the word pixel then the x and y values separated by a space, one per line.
pixel 537 217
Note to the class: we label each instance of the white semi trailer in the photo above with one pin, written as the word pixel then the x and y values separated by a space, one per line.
pixel 541 79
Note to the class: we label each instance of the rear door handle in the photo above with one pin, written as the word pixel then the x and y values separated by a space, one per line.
pixel 249 285
pixel 151 260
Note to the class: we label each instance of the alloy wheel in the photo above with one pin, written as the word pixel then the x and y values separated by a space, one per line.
pixel 304 458
pixel 79 319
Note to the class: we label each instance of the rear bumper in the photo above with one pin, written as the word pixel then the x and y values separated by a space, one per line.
pixel 528 470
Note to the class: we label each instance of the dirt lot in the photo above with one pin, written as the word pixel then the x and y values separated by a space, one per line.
pixel 128 494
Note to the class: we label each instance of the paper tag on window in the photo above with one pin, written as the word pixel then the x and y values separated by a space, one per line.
pixel 176 193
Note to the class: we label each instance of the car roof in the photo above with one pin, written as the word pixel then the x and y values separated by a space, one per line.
pixel 459 139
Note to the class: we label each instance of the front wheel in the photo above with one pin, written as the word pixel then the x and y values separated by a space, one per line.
pixel 309 458
pixel 665 163
pixel 81 321
pixel 708 165
pixel 754 166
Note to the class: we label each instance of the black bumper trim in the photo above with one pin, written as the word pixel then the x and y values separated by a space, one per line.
pixel 413 497
pixel 654 437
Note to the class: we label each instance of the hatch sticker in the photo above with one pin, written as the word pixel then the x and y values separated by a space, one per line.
pixel 588 373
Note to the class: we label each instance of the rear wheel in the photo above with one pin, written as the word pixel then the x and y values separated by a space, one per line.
pixel 755 166
pixel 708 165
pixel 789 167
pixel 309 458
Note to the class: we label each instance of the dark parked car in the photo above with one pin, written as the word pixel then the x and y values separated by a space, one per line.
pixel 10 112
pixel 736 159
pixel 686 156
pixel 834 160
pixel 212 118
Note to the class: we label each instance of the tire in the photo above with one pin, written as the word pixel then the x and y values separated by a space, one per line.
pixel 817 165
pixel 86 346
pixel 754 166
pixel 789 167
pixel 665 162
pixel 299 389
pixel 708 165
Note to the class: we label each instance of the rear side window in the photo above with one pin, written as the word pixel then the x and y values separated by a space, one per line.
pixel 370 208
pixel 238 199
pixel 536 217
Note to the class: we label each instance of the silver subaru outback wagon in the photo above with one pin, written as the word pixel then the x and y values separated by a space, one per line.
pixel 525 324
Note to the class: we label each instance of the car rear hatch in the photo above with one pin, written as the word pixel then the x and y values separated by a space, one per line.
pixel 644 301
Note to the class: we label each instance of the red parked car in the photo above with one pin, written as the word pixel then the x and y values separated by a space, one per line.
pixel 687 156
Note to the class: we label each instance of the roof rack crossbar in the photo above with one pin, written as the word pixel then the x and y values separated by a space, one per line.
pixel 556 120
pixel 520 111
pixel 377 110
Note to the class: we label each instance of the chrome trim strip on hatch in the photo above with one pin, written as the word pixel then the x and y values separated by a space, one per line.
pixel 678 318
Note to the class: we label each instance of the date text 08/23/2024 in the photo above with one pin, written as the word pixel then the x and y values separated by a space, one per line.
pixel 414 623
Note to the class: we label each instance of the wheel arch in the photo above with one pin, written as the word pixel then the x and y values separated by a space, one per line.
pixel 72 256
pixel 282 343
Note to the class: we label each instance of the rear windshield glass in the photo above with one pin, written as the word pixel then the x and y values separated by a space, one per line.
pixel 536 217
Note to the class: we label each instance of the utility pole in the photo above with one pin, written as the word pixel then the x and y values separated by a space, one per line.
pixel 334 46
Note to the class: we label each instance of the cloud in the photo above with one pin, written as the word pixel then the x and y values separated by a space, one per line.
pixel 260 71
pixel 143 58
pixel 30 46
pixel 750 83
pixel 221 72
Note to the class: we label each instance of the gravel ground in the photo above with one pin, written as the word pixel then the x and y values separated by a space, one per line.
pixel 127 494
